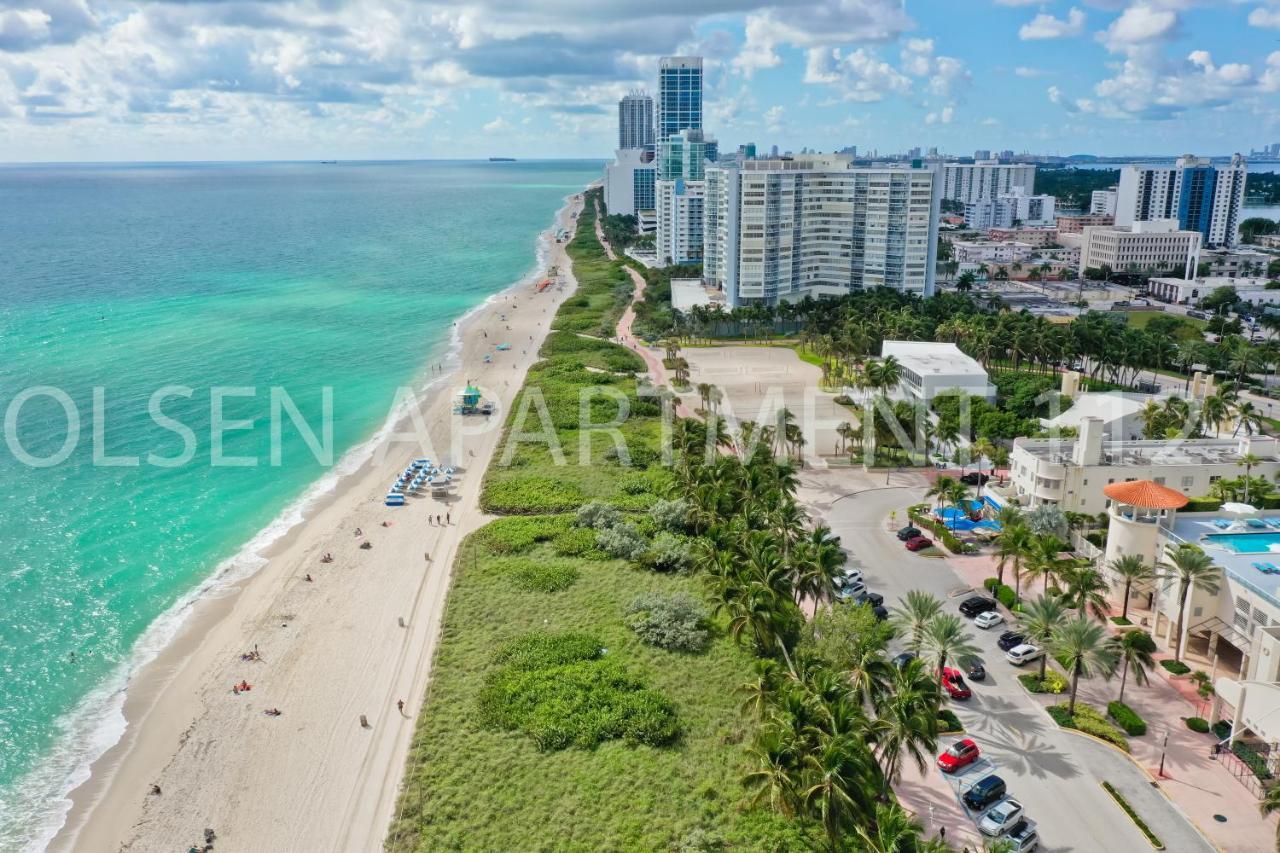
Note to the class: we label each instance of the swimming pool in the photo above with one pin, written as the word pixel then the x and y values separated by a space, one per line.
pixel 1247 543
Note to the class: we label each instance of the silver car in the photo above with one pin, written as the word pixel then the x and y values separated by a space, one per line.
pixel 1000 818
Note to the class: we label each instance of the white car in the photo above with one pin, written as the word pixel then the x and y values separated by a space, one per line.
pixel 1018 655
pixel 1000 818
pixel 853 576
pixel 990 619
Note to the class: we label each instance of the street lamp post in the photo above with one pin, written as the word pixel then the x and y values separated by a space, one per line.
pixel 1163 747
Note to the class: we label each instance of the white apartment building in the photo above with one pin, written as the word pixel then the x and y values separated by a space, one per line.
pixel 1103 202
pixel 1009 210
pixel 1180 291
pixel 1006 252
pixel 930 368
pixel 814 225
pixel 629 183
pixel 1071 473
pixel 1155 245
pixel 678 237
pixel 1199 195
pixel 971 182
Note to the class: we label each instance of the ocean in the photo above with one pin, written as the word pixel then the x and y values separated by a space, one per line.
pixel 193 290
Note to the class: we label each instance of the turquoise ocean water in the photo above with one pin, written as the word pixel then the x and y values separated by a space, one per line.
pixel 133 278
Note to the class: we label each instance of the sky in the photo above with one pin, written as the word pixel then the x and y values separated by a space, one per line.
pixel 106 80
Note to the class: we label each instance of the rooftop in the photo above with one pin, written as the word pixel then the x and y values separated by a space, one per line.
pixel 1191 451
pixel 927 358
pixel 1145 494
pixel 1206 529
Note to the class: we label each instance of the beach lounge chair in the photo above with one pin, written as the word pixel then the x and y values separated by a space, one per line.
pixel 1221 524
pixel 1256 523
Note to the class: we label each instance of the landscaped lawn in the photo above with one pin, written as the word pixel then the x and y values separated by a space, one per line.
pixel 1140 319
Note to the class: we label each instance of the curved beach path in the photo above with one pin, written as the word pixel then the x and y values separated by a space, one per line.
pixel 657 369
pixel 339 650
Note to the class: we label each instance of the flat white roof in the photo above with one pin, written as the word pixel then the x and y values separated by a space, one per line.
pixel 1109 406
pixel 928 358
pixel 688 292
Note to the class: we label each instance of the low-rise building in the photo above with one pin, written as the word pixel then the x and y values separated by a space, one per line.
pixel 1156 245
pixel 1180 291
pixel 930 368
pixel 1244 263
pixel 1103 202
pixel 985 252
pixel 1076 223
pixel 1071 472
pixel 1038 237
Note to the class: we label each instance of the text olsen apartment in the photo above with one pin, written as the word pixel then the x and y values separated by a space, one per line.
pixel 815 226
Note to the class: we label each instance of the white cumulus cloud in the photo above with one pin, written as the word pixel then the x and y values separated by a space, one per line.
pixel 1046 26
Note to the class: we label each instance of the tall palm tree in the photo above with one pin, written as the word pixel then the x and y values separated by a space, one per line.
pixel 1045 562
pixel 1086 648
pixel 941 490
pixel 774 754
pixel 894 830
pixel 1130 568
pixel 913 613
pixel 835 774
pixel 1248 418
pixel 983 448
pixel 1039 619
pixel 1271 803
pixel 1189 567
pixel 1087 590
pixel 1013 545
pixel 947 639
pixel 1134 651
pixel 906 720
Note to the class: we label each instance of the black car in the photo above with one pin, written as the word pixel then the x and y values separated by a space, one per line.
pixel 903 659
pixel 875 599
pixel 977 672
pixel 1009 639
pixel 984 793
pixel 908 533
pixel 971 607
pixel 974 478
pixel 880 613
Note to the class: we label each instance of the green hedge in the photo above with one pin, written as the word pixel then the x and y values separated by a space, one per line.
pixel 1203 504
pixel 1128 719
pixel 948 722
pixel 1054 682
pixel 1255 762
pixel 1133 816
pixel 1120 620
pixel 1176 667
pixel 1087 719
pixel 1198 724
pixel 1005 595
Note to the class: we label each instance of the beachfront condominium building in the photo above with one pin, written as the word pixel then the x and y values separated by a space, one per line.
pixel 629 185
pixel 1070 473
pixel 1103 202
pixel 971 182
pixel 1201 196
pixel 635 122
pixel 679 95
pixel 682 163
pixel 815 225
pixel 1153 246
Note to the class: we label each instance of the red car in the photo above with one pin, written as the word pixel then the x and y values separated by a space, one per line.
pixel 961 754
pixel 919 543
pixel 953 683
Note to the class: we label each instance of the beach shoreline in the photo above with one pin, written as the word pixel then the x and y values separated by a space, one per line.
pixel 348 643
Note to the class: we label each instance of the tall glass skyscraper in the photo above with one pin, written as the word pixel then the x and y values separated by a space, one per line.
pixel 679 95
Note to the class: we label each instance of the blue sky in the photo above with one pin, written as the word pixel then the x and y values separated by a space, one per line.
pixel 282 79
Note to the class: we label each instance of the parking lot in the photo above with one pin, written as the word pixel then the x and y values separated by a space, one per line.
pixel 1055 774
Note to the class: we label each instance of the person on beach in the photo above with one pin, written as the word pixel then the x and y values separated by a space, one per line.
pixel 308 578
pixel 447 519
pixel 400 705
pixel 155 790
pixel 359 532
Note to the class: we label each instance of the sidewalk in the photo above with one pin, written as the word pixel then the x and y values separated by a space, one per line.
pixel 932 800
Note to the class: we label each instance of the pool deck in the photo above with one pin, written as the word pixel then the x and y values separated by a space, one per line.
pixel 1199 529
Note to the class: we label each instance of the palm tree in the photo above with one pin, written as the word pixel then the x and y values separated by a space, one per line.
pixel 1087 590
pixel 835 774
pixel 894 830
pixel 845 431
pixel 947 639
pixel 1271 803
pixel 913 613
pixel 1248 418
pixel 1189 567
pixel 1247 461
pixel 1086 648
pixel 1038 621
pixel 983 448
pixel 941 489
pixel 906 719
pixel 1012 547
pixel 1134 650
pixel 1213 412
pixel 1044 561
pixel 774 754
pixel 1130 569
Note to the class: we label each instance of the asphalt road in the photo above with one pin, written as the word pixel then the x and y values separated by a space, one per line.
pixel 1055 775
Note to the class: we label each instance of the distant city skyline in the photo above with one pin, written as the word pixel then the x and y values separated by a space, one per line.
pixel 298 79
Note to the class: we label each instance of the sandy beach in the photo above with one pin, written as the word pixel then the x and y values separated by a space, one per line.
pixel 353 641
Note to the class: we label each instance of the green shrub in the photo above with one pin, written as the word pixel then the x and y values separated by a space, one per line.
pixel 529 494
pixel 1252 760
pixel 670 553
pixel 574 542
pixel 559 690
pixel 1128 719
pixel 1198 724
pixel 672 515
pixel 1054 682
pixel 597 514
pixel 1176 667
pixel 676 622
pixel 515 534
pixel 1005 595
pixel 1133 816
pixel 1222 729
pixel 990 584
pixel 622 541
pixel 536 575
pixel 1203 504
pixel 948 722
pixel 1089 721
pixel 1120 620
